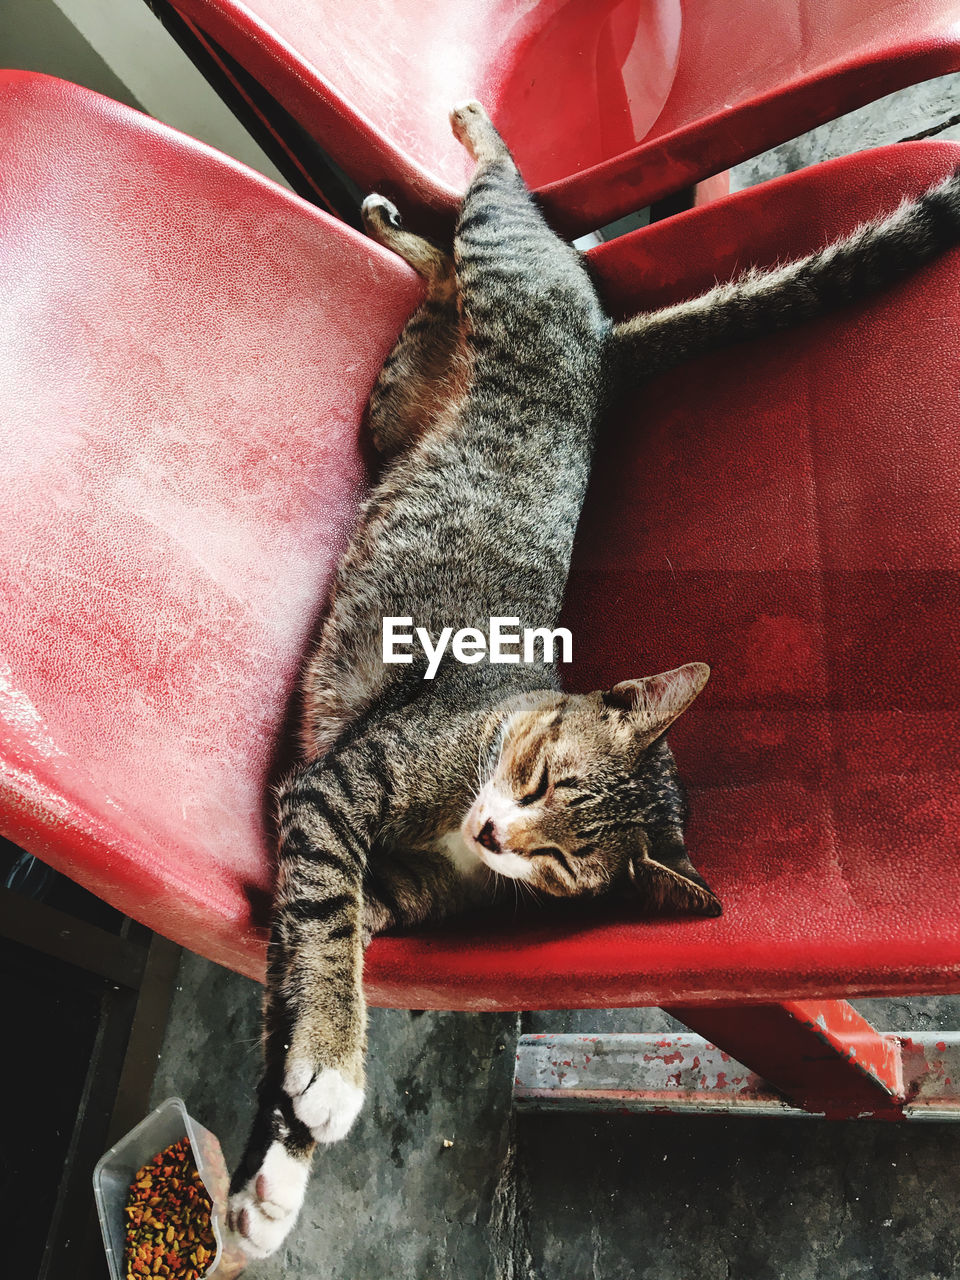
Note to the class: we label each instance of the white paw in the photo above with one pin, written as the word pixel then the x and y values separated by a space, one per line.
pixel 378 209
pixel 467 119
pixel 467 110
pixel 327 1104
pixel 262 1213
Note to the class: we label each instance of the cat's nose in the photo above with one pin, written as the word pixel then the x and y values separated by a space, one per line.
pixel 488 838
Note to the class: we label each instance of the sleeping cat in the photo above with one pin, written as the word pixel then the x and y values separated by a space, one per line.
pixel 419 796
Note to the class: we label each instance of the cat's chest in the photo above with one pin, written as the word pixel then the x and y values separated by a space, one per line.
pixel 459 854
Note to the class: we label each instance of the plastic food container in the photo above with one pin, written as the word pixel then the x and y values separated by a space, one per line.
pixel 116 1170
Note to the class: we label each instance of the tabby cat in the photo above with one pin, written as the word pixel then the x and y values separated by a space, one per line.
pixel 418 796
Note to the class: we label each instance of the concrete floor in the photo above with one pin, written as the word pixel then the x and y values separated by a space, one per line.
pixel 575 1198
pixel 568 1197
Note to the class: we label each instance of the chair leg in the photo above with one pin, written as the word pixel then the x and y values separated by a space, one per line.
pixel 820 1054
pixel 711 189
pixel 691 197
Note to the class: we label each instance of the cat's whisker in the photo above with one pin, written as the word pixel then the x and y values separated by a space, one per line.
pixel 530 890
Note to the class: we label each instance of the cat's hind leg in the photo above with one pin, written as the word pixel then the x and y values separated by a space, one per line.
pixel 474 129
pixel 426 373
pixel 382 221
pixel 512 273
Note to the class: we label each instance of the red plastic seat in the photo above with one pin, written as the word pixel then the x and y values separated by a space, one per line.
pixel 181 387
pixel 609 105
pixel 187 353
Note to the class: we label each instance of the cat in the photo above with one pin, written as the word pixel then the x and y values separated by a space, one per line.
pixel 418 797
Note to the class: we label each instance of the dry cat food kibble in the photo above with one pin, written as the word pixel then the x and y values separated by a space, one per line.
pixel 168 1228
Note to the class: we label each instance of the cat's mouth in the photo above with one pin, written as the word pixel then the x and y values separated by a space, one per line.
pixel 483 832
pixel 483 826
pixel 481 835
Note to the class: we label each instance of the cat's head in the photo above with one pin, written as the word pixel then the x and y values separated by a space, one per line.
pixel 582 795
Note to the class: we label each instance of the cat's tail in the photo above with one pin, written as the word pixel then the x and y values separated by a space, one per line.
pixel 871 258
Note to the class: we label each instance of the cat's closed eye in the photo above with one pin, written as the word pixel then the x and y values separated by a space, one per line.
pixel 544 783
pixel 551 851
pixel 540 790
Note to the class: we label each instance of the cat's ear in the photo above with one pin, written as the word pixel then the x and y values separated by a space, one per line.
pixel 666 881
pixel 653 703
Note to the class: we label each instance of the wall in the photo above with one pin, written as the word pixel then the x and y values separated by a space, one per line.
pixel 118 47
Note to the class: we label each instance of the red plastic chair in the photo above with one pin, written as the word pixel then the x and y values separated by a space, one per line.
pixel 609 105
pixel 188 352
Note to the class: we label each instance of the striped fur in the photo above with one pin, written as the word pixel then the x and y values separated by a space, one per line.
pixel 872 258
pixel 419 799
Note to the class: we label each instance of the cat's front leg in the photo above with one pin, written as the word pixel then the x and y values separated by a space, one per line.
pixel 408 886
pixel 317 1014
pixel 313 1085
pixel 270 1182
pixel 314 1008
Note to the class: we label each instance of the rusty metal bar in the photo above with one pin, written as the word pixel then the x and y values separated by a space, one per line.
pixel 637 1072
pixel 684 1073
pixel 821 1055
pixel 931 1069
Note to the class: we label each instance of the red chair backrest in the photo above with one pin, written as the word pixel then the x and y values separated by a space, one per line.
pixel 608 105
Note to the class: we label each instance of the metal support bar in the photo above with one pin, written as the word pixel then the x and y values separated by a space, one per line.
pixel 63 936
pixel 684 1073
pixel 145 1041
pixel 297 155
pixel 821 1055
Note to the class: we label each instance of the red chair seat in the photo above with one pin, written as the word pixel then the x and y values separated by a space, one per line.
pixel 609 105
pixel 187 353
pixel 180 395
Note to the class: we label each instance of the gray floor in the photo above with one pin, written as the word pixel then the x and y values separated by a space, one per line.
pixel 573 1198
pixel 391 1200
